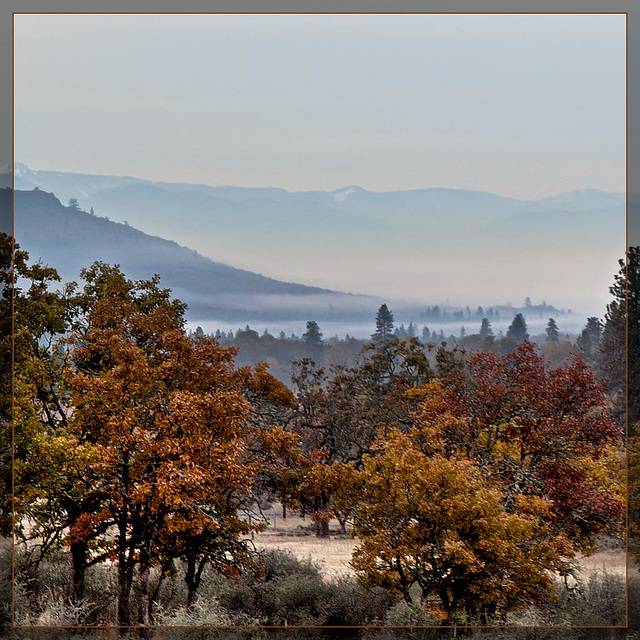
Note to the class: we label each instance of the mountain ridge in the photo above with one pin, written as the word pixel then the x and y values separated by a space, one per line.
pixel 69 239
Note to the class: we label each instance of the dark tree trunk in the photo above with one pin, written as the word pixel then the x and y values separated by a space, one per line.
pixel 79 549
pixel 322 525
pixel 189 578
pixel 322 528
pixel 284 511
pixel 124 593
pixel 193 577
pixel 144 603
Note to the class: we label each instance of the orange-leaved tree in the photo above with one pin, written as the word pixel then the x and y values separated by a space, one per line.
pixel 437 523
pixel 166 421
pixel 539 441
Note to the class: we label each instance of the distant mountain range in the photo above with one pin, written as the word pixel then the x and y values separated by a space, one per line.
pixel 426 245
pixel 70 239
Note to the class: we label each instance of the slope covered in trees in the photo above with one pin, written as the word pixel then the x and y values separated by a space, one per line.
pixel 72 239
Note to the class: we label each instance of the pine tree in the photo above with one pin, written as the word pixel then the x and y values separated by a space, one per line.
pixel 384 324
pixel 613 343
pixel 485 328
pixel 553 335
pixel 312 336
pixel 518 329
pixel 589 339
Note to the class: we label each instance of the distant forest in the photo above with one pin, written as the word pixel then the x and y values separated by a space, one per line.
pixel 280 351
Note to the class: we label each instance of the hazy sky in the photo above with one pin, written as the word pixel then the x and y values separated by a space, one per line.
pixel 524 106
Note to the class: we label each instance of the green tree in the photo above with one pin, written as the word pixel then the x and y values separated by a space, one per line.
pixel 485 328
pixel 553 335
pixel 612 361
pixel 313 339
pixel 40 405
pixel 384 324
pixel 518 329
pixel 589 339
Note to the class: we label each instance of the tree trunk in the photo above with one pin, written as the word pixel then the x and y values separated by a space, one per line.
pixel 144 603
pixel 284 511
pixel 189 578
pixel 124 593
pixel 79 549
pixel 322 525
pixel 322 528
pixel 193 577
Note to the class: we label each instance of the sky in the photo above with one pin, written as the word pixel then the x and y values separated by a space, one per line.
pixel 524 106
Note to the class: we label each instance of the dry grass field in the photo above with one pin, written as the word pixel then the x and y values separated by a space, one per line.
pixel 296 535
pixel 333 555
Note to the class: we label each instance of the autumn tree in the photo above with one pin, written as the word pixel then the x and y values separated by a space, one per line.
pixel 341 415
pixel 539 441
pixel 435 522
pixel 165 420
pixel 153 438
pixel 542 431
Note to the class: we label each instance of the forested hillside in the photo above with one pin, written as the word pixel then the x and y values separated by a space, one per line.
pixel 71 238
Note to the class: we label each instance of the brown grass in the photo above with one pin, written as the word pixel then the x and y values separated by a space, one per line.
pixel 333 554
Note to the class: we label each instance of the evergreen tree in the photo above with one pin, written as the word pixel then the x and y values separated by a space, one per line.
pixel 518 329
pixel 485 328
pixel 411 330
pixel 426 334
pixel 589 339
pixel 384 324
pixel 463 332
pixel 312 336
pixel 612 363
pixel 553 335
